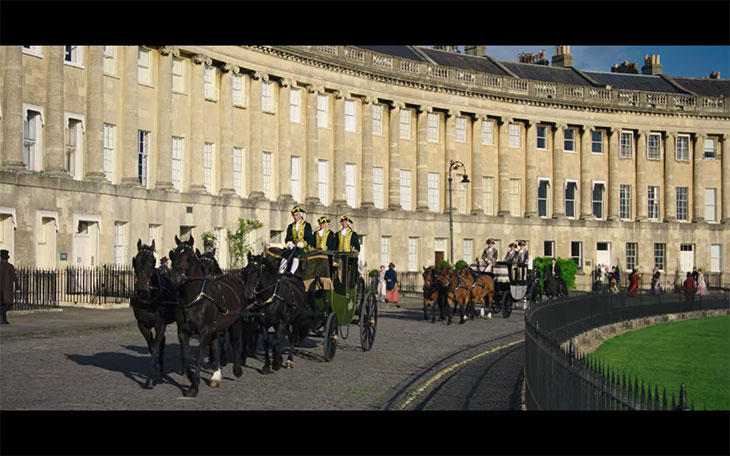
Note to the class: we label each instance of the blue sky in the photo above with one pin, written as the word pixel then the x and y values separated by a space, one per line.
pixel 688 61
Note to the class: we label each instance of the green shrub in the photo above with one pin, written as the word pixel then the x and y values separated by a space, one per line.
pixel 568 269
pixel 373 273
pixel 443 263
pixel 460 264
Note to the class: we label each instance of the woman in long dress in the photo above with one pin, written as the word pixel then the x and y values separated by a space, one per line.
pixel 701 285
pixel 634 287
pixel 381 284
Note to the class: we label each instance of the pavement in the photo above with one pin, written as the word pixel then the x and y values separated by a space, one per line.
pixel 67 319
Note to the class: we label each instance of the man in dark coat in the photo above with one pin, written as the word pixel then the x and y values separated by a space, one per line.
pixel 348 241
pixel 8 284
pixel 324 238
pixel 299 239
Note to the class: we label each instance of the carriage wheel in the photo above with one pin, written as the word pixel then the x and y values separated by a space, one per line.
pixel 330 337
pixel 506 305
pixel 368 322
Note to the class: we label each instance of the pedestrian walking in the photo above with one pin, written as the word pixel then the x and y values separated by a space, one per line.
pixel 8 284
pixel 695 276
pixel 634 278
pixel 689 288
pixel 614 280
pixel 655 286
pixel 382 290
pixel 391 284
pixel 701 285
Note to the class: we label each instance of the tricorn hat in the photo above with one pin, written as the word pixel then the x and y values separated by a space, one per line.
pixel 490 241
pixel 4 254
pixel 521 243
pixel 298 209
pixel 323 219
pixel 346 218
pixel 511 244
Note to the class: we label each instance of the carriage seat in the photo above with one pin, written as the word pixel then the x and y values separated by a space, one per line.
pixel 501 272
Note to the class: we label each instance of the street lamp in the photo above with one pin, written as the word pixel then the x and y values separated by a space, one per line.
pixel 453 165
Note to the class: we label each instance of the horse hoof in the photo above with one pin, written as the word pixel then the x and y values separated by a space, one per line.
pixel 190 392
pixel 289 364
pixel 237 371
pixel 266 370
pixel 149 384
pixel 214 384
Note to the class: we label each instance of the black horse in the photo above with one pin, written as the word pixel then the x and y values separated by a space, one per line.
pixel 554 287
pixel 279 302
pixel 201 299
pixel 153 304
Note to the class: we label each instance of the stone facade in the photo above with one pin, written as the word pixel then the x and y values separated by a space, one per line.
pixel 212 101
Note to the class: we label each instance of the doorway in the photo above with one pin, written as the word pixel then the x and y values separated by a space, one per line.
pixel 686 258
pixel 603 255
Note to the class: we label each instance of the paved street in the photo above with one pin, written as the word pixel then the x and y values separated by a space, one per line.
pixel 103 368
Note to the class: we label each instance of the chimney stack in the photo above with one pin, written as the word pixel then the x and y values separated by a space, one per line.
pixel 625 67
pixel 537 59
pixel 562 57
pixel 447 48
pixel 479 51
pixel 651 65
pixel 715 75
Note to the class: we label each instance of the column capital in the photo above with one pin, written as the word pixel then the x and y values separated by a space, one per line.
pixel 167 50
pixel 561 125
pixel 260 75
pixel 588 128
pixel 613 130
pixel 529 122
pixel 506 120
pixel 199 59
pixel 724 137
pixel 643 132
pixel 229 67
pixel 398 105
pixel 368 99
pixel 425 108
pixel 670 134
pixel 340 94
pixel 286 82
pixel 453 113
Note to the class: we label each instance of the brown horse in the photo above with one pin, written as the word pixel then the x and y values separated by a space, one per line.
pixel 458 292
pixel 481 289
pixel 430 293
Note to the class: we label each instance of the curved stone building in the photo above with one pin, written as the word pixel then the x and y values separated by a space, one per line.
pixel 104 145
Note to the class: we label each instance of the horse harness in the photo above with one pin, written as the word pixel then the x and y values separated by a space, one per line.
pixel 203 294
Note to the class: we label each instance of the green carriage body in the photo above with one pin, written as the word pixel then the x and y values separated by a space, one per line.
pixel 340 297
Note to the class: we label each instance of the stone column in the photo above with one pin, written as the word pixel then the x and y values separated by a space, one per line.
pixel 450 148
pixel 338 133
pixel 94 163
pixel 422 158
pixel 613 170
pixel 725 179
pixel 670 203
pixel 642 192
pixel 54 158
pixel 312 145
pixel 531 164
pixel 698 180
pixel 256 159
pixel 197 102
pixel 130 118
pixel 394 156
pixel 225 161
pixel 586 209
pixel 284 121
pixel 476 163
pixel 558 183
pixel 164 118
pixel 367 153
pixel 503 167
pixel 12 152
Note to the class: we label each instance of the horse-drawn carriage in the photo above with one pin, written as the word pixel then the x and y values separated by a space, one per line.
pixel 508 290
pixel 337 295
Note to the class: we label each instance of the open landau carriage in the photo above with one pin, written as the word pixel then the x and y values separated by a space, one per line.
pixel 506 291
pixel 337 294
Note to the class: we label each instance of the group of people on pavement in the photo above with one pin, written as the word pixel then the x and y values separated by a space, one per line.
pixel 694 284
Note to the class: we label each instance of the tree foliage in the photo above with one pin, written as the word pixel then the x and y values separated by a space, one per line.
pixel 238 244
pixel 568 269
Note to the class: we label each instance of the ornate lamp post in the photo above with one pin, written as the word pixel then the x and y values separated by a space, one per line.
pixel 454 165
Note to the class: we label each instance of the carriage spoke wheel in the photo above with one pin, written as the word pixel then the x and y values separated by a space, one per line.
pixel 506 305
pixel 330 337
pixel 368 322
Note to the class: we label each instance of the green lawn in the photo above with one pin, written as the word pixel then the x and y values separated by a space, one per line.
pixel 693 352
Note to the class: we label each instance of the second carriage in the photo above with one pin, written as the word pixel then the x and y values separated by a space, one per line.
pixel 508 290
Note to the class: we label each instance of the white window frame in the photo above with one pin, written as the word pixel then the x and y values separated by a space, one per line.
pixel 603 200
pixel 515 197
pixel 713 148
pixel 322 111
pixel 350 116
pixel 488 194
pixel 75 169
pixel 598 143
pixel 580 253
pixel 632 252
pixel 547 198
pixel 295 106
pixel 405 123
pixel 487 132
pixel 267 174
pixel 323 181
pixel 653 200
pixel 569 139
pixel 351 184
pixel 434 192
pixel 626 144
pixel 377 114
pixel 412 254
pixel 468 250
pixel 33 159
pixel 624 201
pixel 573 202
pixel 144 66
pixel 178 75
pixel 76 56
pixel 120 242
pixel 209 166
pixel 682 203
pixel 35 51
pixel 552 248
pixel 460 126
pixel 710 204
pixel 109 144
pixel 144 144
pixel 715 257
pixel 406 189
pixel 460 197
pixel 378 187
pixel 238 91
pixel 268 98
pixel 433 121
pixel 515 131
pixel 295 175
pixel 660 253
pixel 543 137
pixel 209 85
pixel 384 250
pixel 684 153
pixel 110 60
pixel 177 162
pixel 654 152
pixel 238 172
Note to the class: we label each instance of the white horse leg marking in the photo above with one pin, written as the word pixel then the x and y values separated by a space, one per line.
pixel 215 381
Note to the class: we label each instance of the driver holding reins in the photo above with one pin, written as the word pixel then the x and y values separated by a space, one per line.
pixel 489 256
pixel 298 240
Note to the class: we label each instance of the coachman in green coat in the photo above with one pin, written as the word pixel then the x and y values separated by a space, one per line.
pixel 299 239
pixel 324 239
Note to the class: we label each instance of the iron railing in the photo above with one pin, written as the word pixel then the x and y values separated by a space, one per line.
pixel 559 379
pixel 42 288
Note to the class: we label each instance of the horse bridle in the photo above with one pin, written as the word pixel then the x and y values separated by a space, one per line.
pixel 148 282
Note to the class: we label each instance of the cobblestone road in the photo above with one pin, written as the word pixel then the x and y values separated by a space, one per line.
pixel 104 370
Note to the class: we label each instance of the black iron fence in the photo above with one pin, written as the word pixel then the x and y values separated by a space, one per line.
pixel 41 288
pixel 559 379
